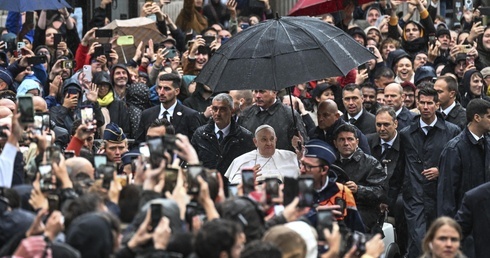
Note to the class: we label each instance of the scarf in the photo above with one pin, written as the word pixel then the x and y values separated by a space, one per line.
pixel 106 100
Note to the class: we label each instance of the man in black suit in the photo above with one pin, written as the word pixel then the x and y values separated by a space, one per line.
pixel 474 218
pixel 355 113
pixel 184 119
pixel 394 97
pixel 452 111
pixel 385 147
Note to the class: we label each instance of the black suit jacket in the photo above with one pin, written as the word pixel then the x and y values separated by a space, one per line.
pixel 474 216
pixel 184 120
pixel 457 116
pixel 366 122
pixel 404 118
pixel 391 162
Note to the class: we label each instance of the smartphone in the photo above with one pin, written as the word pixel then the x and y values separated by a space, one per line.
pixel 171 175
pixel 125 40
pixel 53 203
pixel 371 49
pixel 209 40
pixel 69 154
pixel 465 48
pixel 67 64
pixel 155 146
pixel 271 189
pixel 26 109
pixel 87 71
pixel 38 121
pixel 432 40
pixel 248 181
pixel 189 44
pixel 29 18
pixel 233 190
pixel 34 60
pixel 325 219
pixel 53 154
pixel 57 40
pixel 144 150
pixel 470 60
pixel 193 186
pixel 306 192
pixel 87 115
pixel 46 178
pixel 169 142
pixel 46 121
pixel 171 53
pixel 362 67
pixel 20 45
pixel 98 51
pixel 290 190
pixel 108 172
pixel 156 215
pixel 100 33
pixel 100 160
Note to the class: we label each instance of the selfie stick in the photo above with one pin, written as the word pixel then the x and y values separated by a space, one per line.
pixel 124 55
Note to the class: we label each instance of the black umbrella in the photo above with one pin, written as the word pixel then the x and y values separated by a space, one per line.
pixel 282 52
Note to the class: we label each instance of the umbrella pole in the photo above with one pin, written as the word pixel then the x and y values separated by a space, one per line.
pixel 124 55
pixel 292 109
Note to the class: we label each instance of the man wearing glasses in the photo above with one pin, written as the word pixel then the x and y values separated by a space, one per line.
pixel 316 161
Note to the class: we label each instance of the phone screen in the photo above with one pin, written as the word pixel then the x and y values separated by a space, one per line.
pixel 103 33
pixel 156 215
pixel 155 146
pixel 57 39
pixel 193 186
pixel 324 220
pixel 100 160
pixel 108 172
pixel 26 109
pixel 271 189
pixel 248 181
pixel 306 192
pixel 171 175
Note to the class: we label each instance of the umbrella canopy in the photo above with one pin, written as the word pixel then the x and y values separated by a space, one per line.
pixel 142 29
pixel 319 7
pixel 32 5
pixel 280 53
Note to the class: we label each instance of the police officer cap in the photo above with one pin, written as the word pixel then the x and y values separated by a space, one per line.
pixel 114 133
pixel 319 149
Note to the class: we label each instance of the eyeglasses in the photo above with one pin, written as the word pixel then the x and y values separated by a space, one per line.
pixel 308 167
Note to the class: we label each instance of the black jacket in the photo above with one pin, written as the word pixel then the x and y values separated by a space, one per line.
pixel 457 116
pixel 278 116
pixel 370 178
pixel 219 156
pixel 421 152
pixel 404 118
pixel 464 165
pixel 392 164
pixel 328 135
pixel 366 122
pixel 474 218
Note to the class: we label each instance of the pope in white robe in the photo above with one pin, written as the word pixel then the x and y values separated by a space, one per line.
pixel 266 160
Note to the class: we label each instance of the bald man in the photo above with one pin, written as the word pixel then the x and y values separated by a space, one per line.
pixel 78 165
pixel 393 97
pixel 8 103
pixel 328 121
pixel 40 104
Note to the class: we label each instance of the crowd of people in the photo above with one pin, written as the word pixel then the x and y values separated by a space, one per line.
pixel 107 157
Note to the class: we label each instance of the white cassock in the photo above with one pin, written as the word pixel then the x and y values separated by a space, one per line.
pixel 282 164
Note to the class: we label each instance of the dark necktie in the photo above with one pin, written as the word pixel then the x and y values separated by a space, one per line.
pixel 481 143
pixel 427 128
pixel 352 120
pixel 221 136
pixel 386 146
pixel 165 115
pixel 344 161
pixel 443 115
